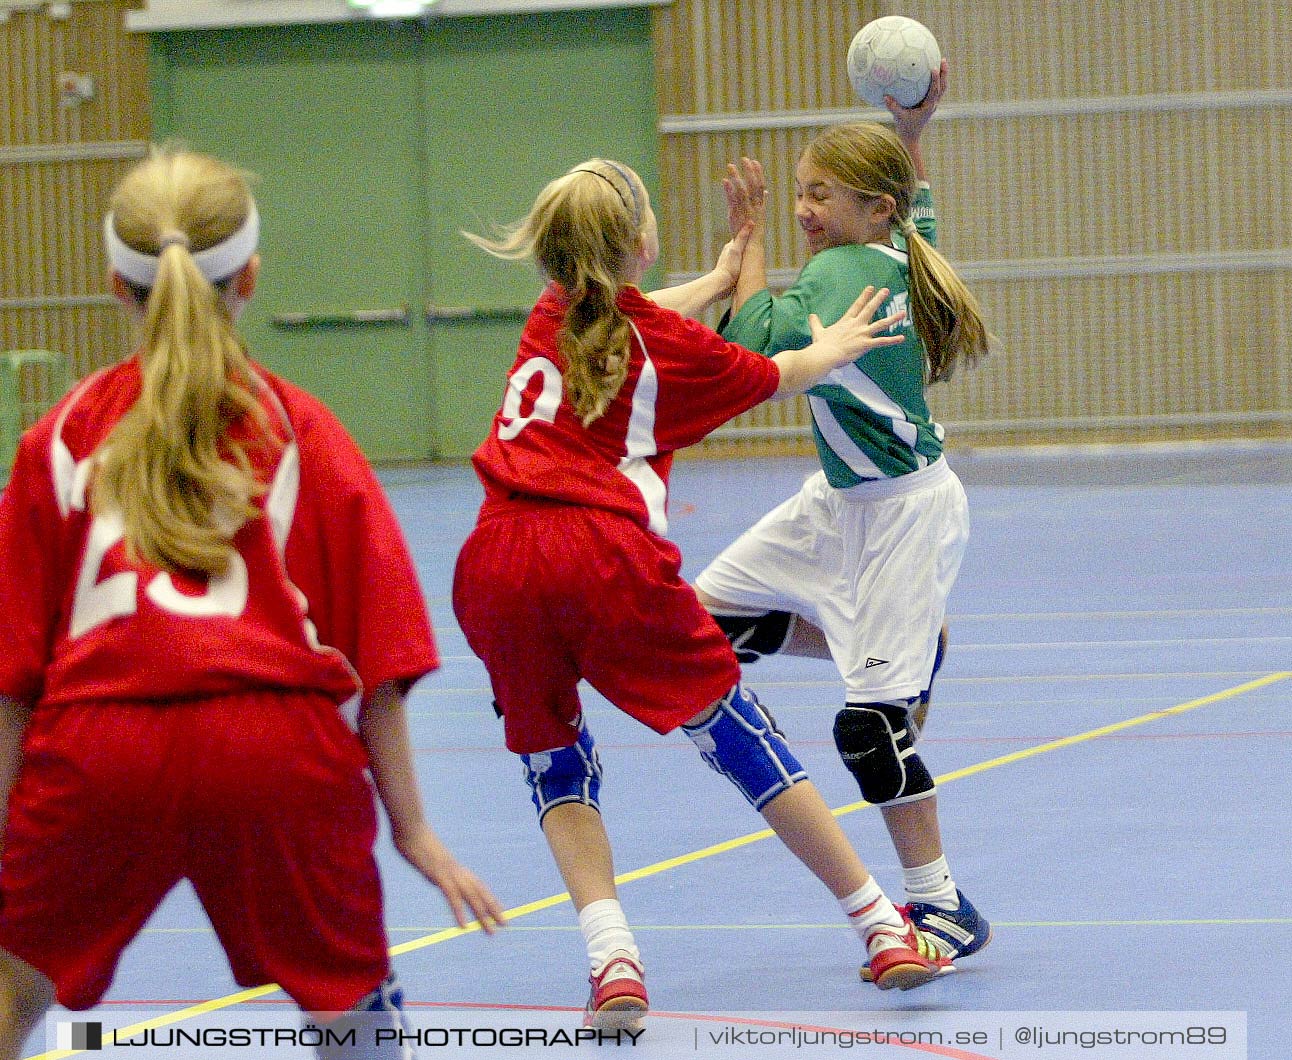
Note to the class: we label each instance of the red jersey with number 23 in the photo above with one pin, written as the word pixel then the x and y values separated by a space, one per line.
pixel 320 595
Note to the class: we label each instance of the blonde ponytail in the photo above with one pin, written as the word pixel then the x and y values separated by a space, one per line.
pixel 594 343
pixel 945 313
pixel 181 483
pixel 584 232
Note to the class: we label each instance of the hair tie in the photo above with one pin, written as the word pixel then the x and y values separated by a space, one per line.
pixel 907 227
pixel 173 238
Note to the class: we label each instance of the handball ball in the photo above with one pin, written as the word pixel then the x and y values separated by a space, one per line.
pixel 893 56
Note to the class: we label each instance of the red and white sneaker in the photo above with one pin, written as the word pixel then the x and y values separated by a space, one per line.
pixel 902 958
pixel 618 999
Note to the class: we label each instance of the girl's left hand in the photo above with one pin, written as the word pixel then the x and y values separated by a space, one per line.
pixel 465 892
pixel 909 122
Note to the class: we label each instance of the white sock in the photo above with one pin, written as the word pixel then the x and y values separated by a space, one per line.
pixel 868 908
pixel 605 930
pixel 932 884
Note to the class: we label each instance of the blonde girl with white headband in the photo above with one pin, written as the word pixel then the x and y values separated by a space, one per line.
pixel 568 574
pixel 887 515
pixel 210 622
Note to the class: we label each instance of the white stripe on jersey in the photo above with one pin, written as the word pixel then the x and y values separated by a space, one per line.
pixel 892 252
pixel 868 392
pixel 280 501
pixel 865 390
pixel 641 443
pixel 71 479
pixel 837 439
pixel 641 424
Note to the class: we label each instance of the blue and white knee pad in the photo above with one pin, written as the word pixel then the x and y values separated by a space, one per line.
pixel 566 774
pixel 741 742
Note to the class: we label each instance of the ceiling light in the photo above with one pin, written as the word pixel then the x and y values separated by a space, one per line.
pixel 393 8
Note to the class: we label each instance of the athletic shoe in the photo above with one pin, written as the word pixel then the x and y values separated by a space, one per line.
pixel 955 932
pixel 948 933
pixel 618 999
pixel 902 957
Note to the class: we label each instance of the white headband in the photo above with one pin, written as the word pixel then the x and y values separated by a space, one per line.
pixel 215 263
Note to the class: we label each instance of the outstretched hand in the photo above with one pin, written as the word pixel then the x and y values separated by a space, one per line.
pixel 909 122
pixel 839 344
pixel 857 330
pixel 746 192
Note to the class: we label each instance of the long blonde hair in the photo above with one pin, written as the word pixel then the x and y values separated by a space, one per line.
pixel 181 485
pixel 871 160
pixel 584 230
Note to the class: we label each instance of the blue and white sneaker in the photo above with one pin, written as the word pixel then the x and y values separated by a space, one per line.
pixel 953 933
pixel 956 932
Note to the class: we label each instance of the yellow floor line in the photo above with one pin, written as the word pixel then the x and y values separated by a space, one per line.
pixel 215 1004
pixel 836 925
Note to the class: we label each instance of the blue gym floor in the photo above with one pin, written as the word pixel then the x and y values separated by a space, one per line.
pixel 1111 736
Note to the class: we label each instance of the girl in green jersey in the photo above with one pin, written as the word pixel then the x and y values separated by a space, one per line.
pixel 858 566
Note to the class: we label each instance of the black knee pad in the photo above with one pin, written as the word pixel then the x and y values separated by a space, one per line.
pixel 753 636
pixel 875 743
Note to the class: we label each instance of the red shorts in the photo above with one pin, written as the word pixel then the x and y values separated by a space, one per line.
pixel 260 800
pixel 548 594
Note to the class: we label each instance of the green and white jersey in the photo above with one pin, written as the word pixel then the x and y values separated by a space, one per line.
pixel 869 418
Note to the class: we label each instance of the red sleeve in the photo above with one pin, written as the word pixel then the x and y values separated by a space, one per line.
pixel 29 585
pixel 703 380
pixel 347 554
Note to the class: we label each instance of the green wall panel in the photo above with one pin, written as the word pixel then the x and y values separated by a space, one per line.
pixel 512 102
pixel 328 118
pixel 373 144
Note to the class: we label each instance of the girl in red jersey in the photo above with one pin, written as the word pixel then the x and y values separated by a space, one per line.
pixel 568 576
pixel 210 622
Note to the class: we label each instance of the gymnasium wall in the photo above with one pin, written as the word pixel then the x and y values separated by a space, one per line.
pixel 58 162
pixel 374 143
pixel 1113 180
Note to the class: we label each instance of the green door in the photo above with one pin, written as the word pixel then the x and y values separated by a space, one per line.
pixel 328 118
pixel 374 143
pixel 512 102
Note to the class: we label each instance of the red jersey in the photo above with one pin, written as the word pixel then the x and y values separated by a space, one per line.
pixel 683 381
pixel 321 594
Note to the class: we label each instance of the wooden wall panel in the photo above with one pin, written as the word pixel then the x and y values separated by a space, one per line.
pixel 1113 180
pixel 1207 335
pixel 754 55
pixel 58 164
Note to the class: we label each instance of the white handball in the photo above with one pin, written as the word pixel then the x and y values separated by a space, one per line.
pixel 893 56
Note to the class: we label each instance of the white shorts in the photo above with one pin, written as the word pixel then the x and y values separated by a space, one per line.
pixel 872 566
